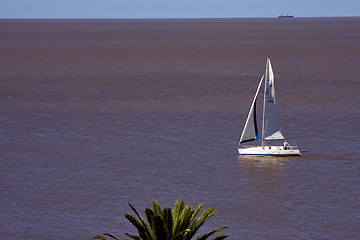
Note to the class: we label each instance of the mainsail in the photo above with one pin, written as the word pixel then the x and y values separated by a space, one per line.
pixel 250 131
pixel 270 125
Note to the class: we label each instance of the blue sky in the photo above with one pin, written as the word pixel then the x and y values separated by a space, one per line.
pixel 176 8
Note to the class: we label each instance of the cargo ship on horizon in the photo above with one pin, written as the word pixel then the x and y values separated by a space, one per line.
pixel 285 16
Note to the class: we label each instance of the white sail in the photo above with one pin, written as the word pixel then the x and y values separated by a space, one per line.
pixel 271 129
pixel 250 131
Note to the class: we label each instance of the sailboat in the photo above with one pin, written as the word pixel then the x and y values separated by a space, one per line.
pixel 272 140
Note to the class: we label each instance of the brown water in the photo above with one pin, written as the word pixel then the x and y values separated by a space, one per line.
pixel 96 114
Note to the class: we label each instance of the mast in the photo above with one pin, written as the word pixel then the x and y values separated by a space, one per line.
pixel 263 116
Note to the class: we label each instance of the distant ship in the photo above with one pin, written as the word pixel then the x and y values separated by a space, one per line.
pixel 285 16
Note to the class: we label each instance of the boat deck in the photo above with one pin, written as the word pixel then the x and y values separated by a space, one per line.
pixel 270 151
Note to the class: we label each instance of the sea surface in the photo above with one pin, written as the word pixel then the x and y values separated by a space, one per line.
pixel 96 114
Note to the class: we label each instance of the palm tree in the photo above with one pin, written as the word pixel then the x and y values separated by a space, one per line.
pixel 178 223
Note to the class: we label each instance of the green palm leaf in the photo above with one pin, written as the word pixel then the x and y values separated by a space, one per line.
pixel 179 223
pixel 178 207
pixel 105 238
pixel 168 218
pixel 200 221
pixel 143 230
pixel 221 237
pixel 157 209
pixel 217 230
pixel 159 228
pixel 133 236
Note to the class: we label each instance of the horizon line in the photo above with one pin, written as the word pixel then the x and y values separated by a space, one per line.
pixel 87 18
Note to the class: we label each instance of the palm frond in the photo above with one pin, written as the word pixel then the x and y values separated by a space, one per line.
pixel 100 237
pixel 183 221
pixel 159 228
pixel 200 221
pixel 111 235
pixel 178 207
pixel 196 211
pixel 140 225
pixel 157 209
pixel 168 218
pixel 139 217
pixel 180 223
pixel 133 236
pixel 105 238
pixel 217 230
pixel 149 214
pixel 221 237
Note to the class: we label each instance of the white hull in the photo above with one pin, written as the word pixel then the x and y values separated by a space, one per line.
pixel 269 151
